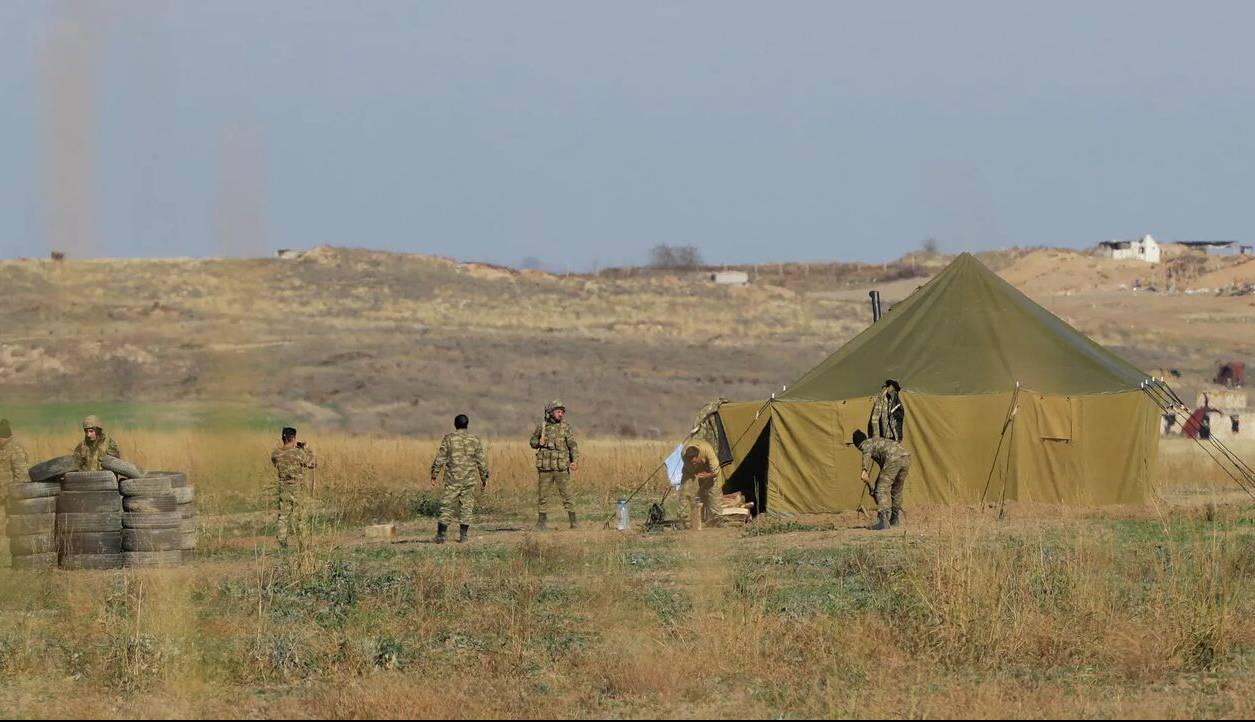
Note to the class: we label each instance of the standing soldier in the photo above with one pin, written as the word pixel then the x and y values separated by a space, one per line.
pixel 557 455
pixel 887 413
pixel 461 458
pixel 290 460
pixel 894 465
pixel 95 446
pixel 13 461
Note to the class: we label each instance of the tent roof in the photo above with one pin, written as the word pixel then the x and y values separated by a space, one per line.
pixel 967 331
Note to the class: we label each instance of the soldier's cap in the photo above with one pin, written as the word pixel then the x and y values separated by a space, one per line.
pixel 6 431
pixel 91 422
pixel 896 386
pixel 859 438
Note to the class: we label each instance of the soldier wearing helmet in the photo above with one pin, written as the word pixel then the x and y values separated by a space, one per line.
pixel 557 455
pixel 95 446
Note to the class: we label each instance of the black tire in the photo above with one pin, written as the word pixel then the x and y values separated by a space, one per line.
pixel 27 544
pixel 123 468
pixel 29 524
pixel 44 505
pixel 46 560
pixel 155 486
pixel 170 558
pixel 152 540
pixel 150 504
pixel 106 542
pixel 82 523
pixel 89 502
pixel 188 510
pixel 155 520
pixel 52 468
pixel 91 561
pixel 185 494
pixel 90 481
pixel 34 489
pixel 177 478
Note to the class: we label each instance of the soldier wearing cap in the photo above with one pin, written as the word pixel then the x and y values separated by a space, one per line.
pixel 13 460
pixel 557 455
pixel 291 460
pixel 95 446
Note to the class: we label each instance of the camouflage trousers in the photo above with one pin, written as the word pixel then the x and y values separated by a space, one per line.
pixel 561 479
pixel 291 505
pixel 458 502
pixel 705 491
pixel 890 482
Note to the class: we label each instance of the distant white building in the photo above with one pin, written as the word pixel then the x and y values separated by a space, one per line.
pixel 730 278
pixel 289 254
pixel 1145 248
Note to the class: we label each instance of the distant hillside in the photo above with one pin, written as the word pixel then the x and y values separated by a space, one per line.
pixel 373 341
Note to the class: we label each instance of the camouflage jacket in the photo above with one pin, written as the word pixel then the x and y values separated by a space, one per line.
pixel 884 421
pixel 560 449
pixel 883 451
pixel 704 422
pixel 461 459
pixel 88 455
pixel 291 463
pixel 13 464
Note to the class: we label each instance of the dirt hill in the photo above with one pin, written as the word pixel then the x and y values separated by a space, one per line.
pixel 371 341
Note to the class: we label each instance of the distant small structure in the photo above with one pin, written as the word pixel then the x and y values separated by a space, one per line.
pixel 730 278
pixel 1231 375
pixel 1145 248
pixel 1219 248
pixel 289 254
pixel 58 256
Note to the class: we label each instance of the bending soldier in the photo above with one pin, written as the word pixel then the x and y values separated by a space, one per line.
pixel 702 481
pixel 557 455
pixel 461 460
pixel 894 463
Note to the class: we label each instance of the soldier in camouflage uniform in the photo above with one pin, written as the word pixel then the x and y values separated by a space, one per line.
pixel 894 462
pixel 95 446
pixel 461 459
pixel 557 455
pixel 13 462
pixel 887 413
pixel 291 460
pixel 702 480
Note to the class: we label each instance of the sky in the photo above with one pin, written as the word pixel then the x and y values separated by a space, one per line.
pixel 584 133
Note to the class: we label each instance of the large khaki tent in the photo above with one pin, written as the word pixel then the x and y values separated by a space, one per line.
pixel 1084 432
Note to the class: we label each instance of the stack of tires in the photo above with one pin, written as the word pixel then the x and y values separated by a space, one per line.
pixel 89 521
pixel 185 495
pixel 32 515
pixel 152 534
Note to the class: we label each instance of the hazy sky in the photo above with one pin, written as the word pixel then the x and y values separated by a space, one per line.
pixel 586 132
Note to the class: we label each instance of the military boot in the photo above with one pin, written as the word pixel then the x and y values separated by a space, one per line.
pixel 882 520
pixel 571 515
pixel 441 528
pixel 895 518
pixel 463 529
pixel 540 522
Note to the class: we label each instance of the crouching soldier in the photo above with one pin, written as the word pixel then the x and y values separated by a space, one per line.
pixel 894 464
pixel 461 459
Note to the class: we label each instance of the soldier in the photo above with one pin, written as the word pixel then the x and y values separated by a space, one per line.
pixel 13 461
pixel 702 480
pixel 887 413
pixel 461 459
pixel 290 460
pixel 894 465
pixel 557 455
pixel 95 446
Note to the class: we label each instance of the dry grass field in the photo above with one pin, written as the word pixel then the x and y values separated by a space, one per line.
pixel 1049 611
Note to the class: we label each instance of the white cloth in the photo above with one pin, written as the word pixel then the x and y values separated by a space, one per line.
pixel 675 465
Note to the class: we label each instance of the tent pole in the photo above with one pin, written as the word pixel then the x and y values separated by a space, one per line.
pixel 1006 422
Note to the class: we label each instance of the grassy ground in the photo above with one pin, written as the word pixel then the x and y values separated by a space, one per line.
pixel 1139 611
